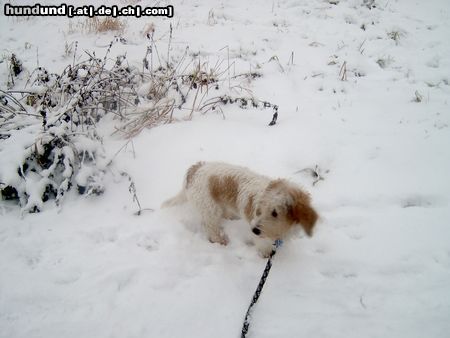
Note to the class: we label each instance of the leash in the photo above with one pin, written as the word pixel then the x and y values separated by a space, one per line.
pixel 258 291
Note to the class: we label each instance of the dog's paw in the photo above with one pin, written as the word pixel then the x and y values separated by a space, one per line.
pixel 264 247
pixel 265 252
pixel 219 238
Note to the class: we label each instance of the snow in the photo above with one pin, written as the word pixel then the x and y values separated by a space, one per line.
pixel 379 262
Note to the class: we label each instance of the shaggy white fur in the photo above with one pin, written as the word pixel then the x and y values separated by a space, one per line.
pixel 222 191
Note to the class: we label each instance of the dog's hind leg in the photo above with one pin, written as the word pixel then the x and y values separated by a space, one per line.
pixel 180 198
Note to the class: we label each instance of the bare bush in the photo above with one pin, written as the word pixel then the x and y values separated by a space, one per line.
pixel 56 116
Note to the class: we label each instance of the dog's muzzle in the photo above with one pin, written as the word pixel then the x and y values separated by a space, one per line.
pixel 256 231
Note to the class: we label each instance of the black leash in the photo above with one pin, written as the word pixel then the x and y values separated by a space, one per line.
pixel 258 291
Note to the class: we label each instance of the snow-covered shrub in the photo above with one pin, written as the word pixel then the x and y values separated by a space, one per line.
pixel 49 137
pixel 50 140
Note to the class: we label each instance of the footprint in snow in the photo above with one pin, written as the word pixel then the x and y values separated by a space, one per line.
pixel 103 235
pixel 148 243
pixel 68 277
pixel 418 201
pixel 333 273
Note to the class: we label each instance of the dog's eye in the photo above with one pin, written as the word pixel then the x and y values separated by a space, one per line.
pixel 274 213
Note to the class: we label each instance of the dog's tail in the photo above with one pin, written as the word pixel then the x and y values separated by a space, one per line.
pixel 180 198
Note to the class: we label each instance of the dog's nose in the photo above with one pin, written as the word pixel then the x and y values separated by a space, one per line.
pixel 256 231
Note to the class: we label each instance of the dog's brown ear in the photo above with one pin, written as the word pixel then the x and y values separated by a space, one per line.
pixel 304 215
pixel 301 212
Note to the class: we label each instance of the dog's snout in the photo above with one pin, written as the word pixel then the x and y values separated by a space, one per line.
pixel 256 231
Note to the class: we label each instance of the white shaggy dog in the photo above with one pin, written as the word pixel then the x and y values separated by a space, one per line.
pixel 222 191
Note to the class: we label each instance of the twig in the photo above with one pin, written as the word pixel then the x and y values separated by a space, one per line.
pixel 291 59
pixel 343 72
pixel 361 301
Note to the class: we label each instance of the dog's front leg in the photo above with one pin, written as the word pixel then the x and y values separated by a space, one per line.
pixel 214 230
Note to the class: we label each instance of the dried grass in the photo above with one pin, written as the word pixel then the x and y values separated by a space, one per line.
pixel 106 24
pixel 97 25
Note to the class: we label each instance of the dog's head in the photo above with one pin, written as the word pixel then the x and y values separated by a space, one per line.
pixel 282 207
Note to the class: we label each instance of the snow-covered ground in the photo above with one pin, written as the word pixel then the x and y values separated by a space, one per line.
pixel 379 262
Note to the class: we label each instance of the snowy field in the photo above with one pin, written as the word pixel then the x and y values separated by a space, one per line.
pixel 363 89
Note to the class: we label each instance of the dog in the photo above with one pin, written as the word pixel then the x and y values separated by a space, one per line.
pixel 272 207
